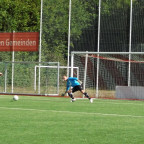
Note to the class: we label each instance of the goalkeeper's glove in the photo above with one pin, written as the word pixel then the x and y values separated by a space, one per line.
pixel 63 94
pixel 80 82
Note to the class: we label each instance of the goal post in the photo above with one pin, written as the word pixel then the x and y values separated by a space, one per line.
pixel 51 79
pixel 101 72
pixel 55 80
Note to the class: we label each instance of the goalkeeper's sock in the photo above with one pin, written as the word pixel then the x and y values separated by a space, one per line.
pixel 87 95
pixel 70 95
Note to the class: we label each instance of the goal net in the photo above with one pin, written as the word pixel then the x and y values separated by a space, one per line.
pixel 50 80
pixel 46 79
pixel 102 72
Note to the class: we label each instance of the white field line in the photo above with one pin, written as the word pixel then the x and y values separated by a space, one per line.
pixel 116 103
pixel 112 101
pixel 70 112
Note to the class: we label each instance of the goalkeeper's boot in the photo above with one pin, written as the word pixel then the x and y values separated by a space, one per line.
pixel 73 100
pixel 91 100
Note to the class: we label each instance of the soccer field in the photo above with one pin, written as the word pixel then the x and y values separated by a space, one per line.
pixel 46 120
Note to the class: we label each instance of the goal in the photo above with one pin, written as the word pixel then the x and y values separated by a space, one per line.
pixel 101 72
pixel 48 79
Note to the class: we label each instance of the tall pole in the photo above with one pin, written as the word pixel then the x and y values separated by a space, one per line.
pixel 130 39
pixel 13 59
pixel 40 45
pixel 97 77
pixel 12 70
pixel 72 65
pixel 85 72
pixel 69 36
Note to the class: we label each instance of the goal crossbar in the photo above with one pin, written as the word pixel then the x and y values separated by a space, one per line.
pixel 82 52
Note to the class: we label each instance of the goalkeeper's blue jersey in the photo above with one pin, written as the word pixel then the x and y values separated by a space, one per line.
pixel 72 82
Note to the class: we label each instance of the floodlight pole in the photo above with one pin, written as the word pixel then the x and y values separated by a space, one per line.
pixel 13 59
pixel 69 33
pixel 72 63
pixel 40 31
pixel 98 49
pixel 5 85
pixel 12 70
pixel 40 45
pixel 130 39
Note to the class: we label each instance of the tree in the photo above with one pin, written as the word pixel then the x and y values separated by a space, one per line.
pixel 55 26
pixel 19 16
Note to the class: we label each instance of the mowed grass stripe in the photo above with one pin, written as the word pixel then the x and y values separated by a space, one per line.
pixel 70 112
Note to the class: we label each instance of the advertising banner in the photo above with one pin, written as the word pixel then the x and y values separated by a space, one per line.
pixel 19 41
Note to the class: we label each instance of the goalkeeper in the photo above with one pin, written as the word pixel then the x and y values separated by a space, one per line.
pixel 76 86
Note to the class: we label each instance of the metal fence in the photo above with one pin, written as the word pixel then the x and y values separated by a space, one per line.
pixel 33 78
pixel 21 78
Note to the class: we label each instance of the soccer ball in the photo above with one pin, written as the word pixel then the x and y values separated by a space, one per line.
pixel 15 98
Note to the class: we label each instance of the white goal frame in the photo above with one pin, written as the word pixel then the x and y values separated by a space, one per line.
pixel 39 82
pixel 86 55
pixel 58 76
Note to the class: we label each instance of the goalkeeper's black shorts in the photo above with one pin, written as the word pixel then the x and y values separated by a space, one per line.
pixel 77 88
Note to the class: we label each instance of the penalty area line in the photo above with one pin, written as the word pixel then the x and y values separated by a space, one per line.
pixel 70 112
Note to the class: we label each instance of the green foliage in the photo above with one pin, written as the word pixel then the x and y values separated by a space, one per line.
pixel 83 13
pixel 22 76
pixel 19 16
pixel 55 26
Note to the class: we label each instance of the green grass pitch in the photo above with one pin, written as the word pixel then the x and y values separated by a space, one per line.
pixel 46 120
